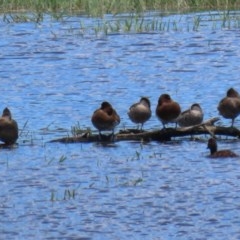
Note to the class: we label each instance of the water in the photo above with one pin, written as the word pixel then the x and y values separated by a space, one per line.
pixel 53 77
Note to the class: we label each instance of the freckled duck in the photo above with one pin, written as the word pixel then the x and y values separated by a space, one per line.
pixel 140 112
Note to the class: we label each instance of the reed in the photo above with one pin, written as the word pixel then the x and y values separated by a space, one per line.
pixel 77 130
pixel 147 24
pixel 101 7
pixel 123 16
pixel 67 195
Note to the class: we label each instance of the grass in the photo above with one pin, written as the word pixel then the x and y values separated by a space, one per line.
pixel 123 16
pixel 132 23
pixel 62 159
pixel 148 22
pixel 77 130
pixel 67 195
pixel 101 7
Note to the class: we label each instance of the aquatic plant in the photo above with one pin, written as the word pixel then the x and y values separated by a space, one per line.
pixel 77 130
pixel 67 195
pixel 132 23
pixel 21 132
pixel 133 182
pixel 138 154
pixel 125 16
pixel 60 160
pixel 101 7
pixel 23 17
pixel 26 136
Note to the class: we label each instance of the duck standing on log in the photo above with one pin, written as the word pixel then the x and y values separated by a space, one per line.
pixel 229 107
pixel 140 112
pixel 167 110
pixel 191 117
pixel 105 118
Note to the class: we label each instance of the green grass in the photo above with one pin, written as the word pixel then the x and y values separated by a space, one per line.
pixel 101 7
pixel 151 24
pixel 77 130
pixel 67 195
pixel 125 16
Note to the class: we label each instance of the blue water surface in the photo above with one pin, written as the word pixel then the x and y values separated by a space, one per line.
pixel 54 74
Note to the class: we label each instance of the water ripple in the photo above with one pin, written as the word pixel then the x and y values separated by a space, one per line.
pixel 53 78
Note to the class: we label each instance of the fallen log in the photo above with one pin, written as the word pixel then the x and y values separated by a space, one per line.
pixel 164 134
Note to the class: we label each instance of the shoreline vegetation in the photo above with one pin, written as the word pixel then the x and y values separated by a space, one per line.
pixel 97 8
pixel 126 16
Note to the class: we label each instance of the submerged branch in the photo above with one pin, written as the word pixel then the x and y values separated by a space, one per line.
pixel 157 135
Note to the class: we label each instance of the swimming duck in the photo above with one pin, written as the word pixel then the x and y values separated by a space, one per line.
pixel 140 112
pixel 167 110
pixel 8 128
pixel 105 118
pixel 212 145
pixel 191 117
pixel 229 107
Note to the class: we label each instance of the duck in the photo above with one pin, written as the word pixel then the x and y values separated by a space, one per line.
pixel 212 145
pixel 8 128
pixel 167 110
pixel 105 118
pixel 140 112
pixel 192 116
pixel 229 106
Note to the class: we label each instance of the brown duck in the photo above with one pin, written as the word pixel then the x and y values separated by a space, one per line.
pixel 214 153
pixel 8 128
pixel 229 107
pixel 105 118
pixel 167 110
